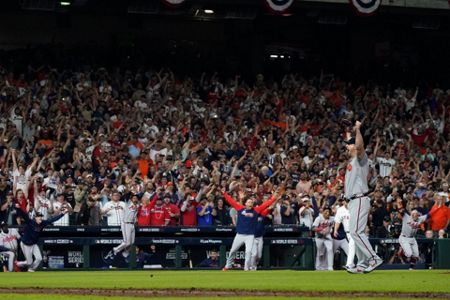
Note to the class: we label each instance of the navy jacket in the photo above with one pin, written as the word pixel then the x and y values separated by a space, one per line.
pixel 247 219
pixel 32 229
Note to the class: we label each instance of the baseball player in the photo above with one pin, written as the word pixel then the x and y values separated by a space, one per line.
pixel 247 219
pixel 410 225
pixel 8 244
pixel 322 226
pixel 258 242
pixel 114 210
pixel 356 191
pixel 30 236
pixel 342 236
pixel 128 225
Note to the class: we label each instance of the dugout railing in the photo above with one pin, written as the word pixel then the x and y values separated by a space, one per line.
pixel 286 247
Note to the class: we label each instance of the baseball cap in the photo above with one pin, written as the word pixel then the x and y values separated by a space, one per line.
pixel 3 223
pixel 38 214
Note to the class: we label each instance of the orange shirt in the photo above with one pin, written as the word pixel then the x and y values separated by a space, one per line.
pixel 439 217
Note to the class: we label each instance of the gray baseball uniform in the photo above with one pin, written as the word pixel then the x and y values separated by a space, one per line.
pixel 407 237
pixel 324 243
pixel 359 206
pixel 343 217
pixel 9 240
pixel 127 226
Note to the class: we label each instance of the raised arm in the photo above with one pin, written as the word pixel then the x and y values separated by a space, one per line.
pixel 37 203
pixel 269 202
pixel 53 219
pixel 359 142
pixel 13 156
pixel 232 202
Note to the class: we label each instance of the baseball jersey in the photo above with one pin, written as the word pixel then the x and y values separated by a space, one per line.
pixel 343 217
pixel 115 215
pixel 307 218
pixel 130 212
pixel 158 216
pixel 9 240
pixel 385 166
pixel 260 229
pixel 247 219
pixel 21 181
pixel 189 214
pixel 143 217
pixel 172 208
pixel 42 205
pixel 356 176
pixel 207 218
pixel 410 227
pixel 64 221
pixel 323 225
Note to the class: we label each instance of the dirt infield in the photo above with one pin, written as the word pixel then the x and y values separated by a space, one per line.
pixel 214 293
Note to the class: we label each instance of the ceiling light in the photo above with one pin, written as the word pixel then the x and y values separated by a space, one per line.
pixel 208 11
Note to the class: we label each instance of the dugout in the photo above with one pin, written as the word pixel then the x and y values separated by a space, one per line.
pixel 285 247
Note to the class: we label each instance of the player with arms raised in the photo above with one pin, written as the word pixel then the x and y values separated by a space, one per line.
pixel 356 191
pixel 247 219
pixel 407 239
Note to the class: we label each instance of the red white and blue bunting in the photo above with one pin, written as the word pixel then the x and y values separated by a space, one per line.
pixel 173 3
pixel 279 6
pixel 365 7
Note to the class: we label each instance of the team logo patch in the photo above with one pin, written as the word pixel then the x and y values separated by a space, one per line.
pixel 349 167
pixel 365 7
pixel 279 6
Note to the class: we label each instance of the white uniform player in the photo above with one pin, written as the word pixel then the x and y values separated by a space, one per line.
pixel 8 240
pixel 356 190
pixel 114 210
pixel 128 225
pixel 43 205
pixel 407 240
pixel 60 205
pixel 323 226
pixel 348 245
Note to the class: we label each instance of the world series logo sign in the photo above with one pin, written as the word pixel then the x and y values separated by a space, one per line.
pixel 279 6
pixel 365 7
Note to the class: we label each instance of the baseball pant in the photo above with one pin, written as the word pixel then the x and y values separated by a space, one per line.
pixel 324 255
pixel 359 213
pixel 340 244
pixel 257 251
pixel 29 251
pixel 239 240
pixel 11 257
pixel 129 234
pixel 409 246
pixel 351 252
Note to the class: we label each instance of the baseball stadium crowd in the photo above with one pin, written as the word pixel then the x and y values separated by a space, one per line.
pixel 87 139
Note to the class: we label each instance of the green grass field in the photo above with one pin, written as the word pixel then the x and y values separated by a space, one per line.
pixel 436 281
pixel 65 297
